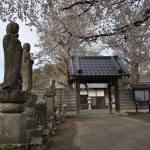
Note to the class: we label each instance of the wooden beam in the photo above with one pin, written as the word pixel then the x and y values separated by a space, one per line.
pixel 77 88
pixel 116 91
pixel 94 80
pixel 109 99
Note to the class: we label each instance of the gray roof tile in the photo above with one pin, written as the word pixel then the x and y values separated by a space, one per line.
pixel 97 66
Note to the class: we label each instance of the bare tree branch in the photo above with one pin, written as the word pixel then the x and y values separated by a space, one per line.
pixel 86 9
pixel 121 30
pixel 78 3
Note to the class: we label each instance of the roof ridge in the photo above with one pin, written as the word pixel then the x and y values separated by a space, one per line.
pixel 115 56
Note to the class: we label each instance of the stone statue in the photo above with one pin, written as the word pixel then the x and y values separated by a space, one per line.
pixel 12 58
pixel 49 96
pixel 26 68
pixel 50 92
pixel 30 82
pixel 52 86
pixel 13 122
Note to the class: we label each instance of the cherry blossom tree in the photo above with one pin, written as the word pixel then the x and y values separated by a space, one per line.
pixel 70 27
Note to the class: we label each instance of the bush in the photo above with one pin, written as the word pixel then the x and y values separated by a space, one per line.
pixel 10 147
pixel 137 113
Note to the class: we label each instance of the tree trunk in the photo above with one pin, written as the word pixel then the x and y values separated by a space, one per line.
pixel 69 84
pixel 135 75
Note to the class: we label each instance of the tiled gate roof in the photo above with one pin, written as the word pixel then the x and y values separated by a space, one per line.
pixel 98 66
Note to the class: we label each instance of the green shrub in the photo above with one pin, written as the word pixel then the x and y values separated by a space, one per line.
pixel 10 147
pixel 136 113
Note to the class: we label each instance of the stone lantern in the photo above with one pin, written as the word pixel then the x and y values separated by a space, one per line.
pixel 89 99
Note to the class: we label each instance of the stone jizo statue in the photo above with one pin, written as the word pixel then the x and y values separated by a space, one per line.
pixel 26 68
pixel 50 92
pixel 12 58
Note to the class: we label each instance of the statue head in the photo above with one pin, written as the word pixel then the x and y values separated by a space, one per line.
pixel 53 81
pixel 52 86
pixel 12 28
pixel 26 46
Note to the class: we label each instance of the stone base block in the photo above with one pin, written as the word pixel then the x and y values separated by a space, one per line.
pixel 29 111
pixel 12 128
pixel 36 143
pixel 13 96
pixel 31 123
pixel 32 101
pixel 50 106
pixel 34 132
pixel 50 113
pixel 11 108
pixel 45 136
pixel 24 146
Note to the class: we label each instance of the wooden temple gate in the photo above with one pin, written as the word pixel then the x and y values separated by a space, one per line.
pixel 97 69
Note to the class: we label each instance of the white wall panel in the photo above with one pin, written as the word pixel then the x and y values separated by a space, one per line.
pixel 100 92
pixel 83 92
pixel 91 93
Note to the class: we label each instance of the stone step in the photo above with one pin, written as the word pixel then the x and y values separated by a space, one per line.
pixel 66 103
pixel 128 92
pixel 143 106
pixel 66 96
pixel 31 123
pixel 125 90
pixel 127 102
pixel 34 132
pixel 127 108
pixel 71 109
pixel 126 96
pixel 126 99
pixel 45 136
pixel 36 143
pixel 132 106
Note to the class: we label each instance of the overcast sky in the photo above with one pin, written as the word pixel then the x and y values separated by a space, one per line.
pixel 25 36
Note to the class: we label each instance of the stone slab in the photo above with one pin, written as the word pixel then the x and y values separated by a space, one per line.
pixel 50 106
pixel 13 96
pixel 11 108
pixel 45 136
pixel 29 111
pixel 36 143
pixel 31 122
pixel 32 101
pixel 12 128
pixel 34 132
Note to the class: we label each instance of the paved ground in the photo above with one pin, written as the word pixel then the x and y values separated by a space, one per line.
pixel 105 132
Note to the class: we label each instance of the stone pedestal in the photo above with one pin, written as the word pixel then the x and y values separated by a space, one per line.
pixel 11 108
pixel 34 134
pixel 50 106
pixel 13 122
pixel 12 128
pixel 35 143
pixel 45 136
